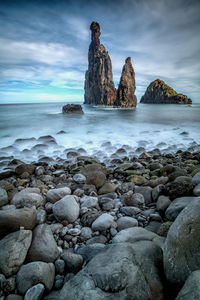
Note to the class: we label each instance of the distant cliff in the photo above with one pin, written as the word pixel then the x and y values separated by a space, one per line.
pixel 159 92
pixel 99 86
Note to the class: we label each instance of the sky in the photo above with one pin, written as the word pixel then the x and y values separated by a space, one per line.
pixel 44 45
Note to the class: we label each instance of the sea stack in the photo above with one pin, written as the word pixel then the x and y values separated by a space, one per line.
pixel 126 89
pixel 99 86
pixel 158 92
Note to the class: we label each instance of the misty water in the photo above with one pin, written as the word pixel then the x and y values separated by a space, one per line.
pixel 100 131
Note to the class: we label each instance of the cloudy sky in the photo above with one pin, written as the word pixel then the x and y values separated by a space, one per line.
pixel 44 45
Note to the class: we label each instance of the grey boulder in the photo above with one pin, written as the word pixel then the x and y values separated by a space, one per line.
pixel 33 273
pixel 43 246
pixel 196 178
pixel 181 253
pixel 66 209
pixel 103 222
pixel 13 251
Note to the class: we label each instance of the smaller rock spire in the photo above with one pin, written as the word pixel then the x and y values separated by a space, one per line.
pixel 126 88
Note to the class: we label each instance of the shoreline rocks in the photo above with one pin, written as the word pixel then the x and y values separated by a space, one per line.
pixel 94 227
pixel 72 109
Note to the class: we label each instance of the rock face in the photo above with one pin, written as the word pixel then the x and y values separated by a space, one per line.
pixel 118 273
pixel 99 86
pixel 72 109
pixel 126 88
pixel 159 92
pixel 181 253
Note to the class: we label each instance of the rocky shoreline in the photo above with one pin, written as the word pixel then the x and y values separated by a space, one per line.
pixel 83 229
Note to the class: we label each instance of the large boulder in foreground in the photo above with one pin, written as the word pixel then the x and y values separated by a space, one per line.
pixel 181 249
pixel 126 89
pixel 72 109
pixel 123 271
pixel 158 92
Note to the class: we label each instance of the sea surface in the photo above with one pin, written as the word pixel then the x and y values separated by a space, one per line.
pixel 100 131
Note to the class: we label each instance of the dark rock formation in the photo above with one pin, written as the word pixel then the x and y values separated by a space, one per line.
pixel 126 88
pixel 99 86
pixel 72 109
pixel 160 93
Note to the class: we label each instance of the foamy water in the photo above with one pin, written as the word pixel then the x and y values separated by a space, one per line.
pixel 100 131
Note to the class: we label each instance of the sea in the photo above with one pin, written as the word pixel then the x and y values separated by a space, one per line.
pixel 100 131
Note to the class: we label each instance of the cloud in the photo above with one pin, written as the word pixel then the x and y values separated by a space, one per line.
pixel 45 44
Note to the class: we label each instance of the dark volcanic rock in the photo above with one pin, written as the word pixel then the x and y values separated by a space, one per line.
pixel 99 86
pixel 159 92
pixel 72 109
pixel 126 88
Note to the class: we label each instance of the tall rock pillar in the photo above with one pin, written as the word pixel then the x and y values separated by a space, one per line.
pixel 99 86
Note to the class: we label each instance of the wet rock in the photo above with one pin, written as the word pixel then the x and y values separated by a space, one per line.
pixel 28 197
pixel 103 222
pixel 41 216
pixel 43 246
pixel 66 209
pixel 159 92
pixel 99 86
pixel 157 191
pixel 12 219
pixel 100 239
pixel 35 293
pixel 132 235
pixel 177 206
pixel 54 195
pixel 72 109
pixel 13 251
pixel 3 197
pixel 126 222
pixel 138 179
pixel 181 249
pixel 33 273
